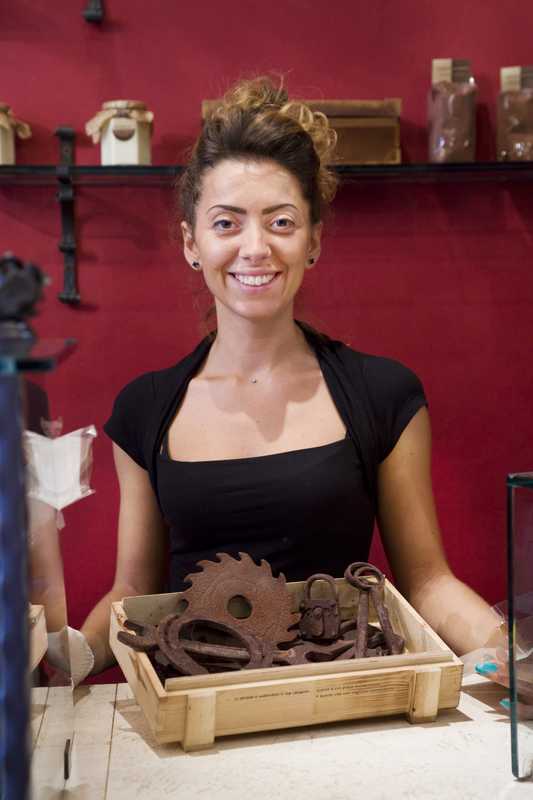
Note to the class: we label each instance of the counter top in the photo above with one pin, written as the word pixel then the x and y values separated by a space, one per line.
pixel 464 755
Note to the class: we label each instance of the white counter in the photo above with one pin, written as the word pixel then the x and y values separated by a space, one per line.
pixel 464 755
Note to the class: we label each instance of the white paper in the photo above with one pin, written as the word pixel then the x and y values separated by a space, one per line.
pixel 58 470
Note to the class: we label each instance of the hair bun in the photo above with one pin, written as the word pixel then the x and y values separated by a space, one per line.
pixel 261 96
pixel 256 94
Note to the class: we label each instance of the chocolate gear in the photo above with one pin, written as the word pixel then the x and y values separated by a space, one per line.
pixel 271 618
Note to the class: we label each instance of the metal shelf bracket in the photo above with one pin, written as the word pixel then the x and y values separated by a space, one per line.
pixel 94 11
pixel 65 196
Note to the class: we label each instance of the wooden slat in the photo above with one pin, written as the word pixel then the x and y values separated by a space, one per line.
pixel 201 719
pixel 425 703
pixel 304 670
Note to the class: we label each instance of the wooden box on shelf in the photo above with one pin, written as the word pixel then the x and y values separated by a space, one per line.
pixel 38 636
pixel 195 710
pixel 368 131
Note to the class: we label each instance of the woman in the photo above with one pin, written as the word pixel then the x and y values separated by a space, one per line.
pixel 271 438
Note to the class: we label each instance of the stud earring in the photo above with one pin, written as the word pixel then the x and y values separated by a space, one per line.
pixel 195 265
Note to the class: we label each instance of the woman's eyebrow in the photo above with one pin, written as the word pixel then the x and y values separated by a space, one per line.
pixel 238 210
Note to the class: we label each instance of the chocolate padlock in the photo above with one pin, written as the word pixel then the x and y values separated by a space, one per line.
pixel 321 619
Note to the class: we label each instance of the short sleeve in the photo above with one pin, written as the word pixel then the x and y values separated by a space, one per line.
pixel 396 394
pixel 128 422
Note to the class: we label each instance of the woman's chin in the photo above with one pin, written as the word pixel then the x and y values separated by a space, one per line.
pixel 259 312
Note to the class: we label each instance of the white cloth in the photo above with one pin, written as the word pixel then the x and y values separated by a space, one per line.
pixel 69 651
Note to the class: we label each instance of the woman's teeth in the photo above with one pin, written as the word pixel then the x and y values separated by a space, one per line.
pixel 255 280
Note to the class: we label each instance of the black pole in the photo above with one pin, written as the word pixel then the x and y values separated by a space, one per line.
pixel 14 647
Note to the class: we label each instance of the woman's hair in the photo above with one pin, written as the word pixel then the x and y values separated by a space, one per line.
pixel 256 120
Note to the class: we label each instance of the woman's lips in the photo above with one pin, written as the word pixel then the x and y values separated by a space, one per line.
pixel 253 288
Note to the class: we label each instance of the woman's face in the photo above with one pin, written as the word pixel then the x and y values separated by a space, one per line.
pixel 253 238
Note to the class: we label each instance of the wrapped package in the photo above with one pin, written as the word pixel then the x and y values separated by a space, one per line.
pixel 124 129
pixel 10 128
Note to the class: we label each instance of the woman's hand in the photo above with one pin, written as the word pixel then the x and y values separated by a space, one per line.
pixel 69 652
pixel 498 670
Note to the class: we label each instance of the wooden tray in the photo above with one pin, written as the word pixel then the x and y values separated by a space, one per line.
pixel 38 637
pixel 195 710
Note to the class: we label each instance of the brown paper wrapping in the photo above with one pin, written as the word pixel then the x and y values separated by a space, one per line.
pixel 9 122
pixel 127 109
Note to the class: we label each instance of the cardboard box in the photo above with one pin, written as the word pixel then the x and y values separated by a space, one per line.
pixel 368 130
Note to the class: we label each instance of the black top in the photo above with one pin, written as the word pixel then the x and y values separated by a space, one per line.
pixel 304 511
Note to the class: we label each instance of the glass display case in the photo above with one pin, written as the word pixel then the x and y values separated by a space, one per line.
pixel 520 602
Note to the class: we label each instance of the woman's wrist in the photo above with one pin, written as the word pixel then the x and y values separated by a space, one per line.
pixel 499 637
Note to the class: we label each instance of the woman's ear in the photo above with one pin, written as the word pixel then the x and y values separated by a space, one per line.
pixel 314 244
pixel 190 251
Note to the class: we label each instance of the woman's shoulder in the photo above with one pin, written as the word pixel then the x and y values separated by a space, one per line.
pixel 155 385
pixel 385 373
pixel 395 392
pixel 385 378
pixel 140 387
pixel 376 369
pixel 141 403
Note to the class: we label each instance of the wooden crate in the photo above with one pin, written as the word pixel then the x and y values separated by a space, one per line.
pixel 368 131
pixel 38 637
pixel 194 710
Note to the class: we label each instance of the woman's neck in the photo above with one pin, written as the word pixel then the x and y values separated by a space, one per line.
pixel 250 349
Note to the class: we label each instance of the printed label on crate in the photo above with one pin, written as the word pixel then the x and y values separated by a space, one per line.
pixel 271 695
pixel 255 707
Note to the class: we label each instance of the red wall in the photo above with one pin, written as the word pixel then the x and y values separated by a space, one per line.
pixel 439 277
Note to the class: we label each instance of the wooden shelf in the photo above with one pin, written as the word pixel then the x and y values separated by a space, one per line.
pixel 165 175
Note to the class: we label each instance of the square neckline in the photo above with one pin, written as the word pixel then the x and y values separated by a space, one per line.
pixel 164 453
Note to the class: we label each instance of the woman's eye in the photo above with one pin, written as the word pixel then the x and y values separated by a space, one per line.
pixel 286 222
pixel 223 224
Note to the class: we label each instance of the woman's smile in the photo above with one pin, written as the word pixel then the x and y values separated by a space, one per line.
pixel 254 282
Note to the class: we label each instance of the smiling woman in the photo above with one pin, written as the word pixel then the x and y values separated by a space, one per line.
pixel 253 197
pixel 271 438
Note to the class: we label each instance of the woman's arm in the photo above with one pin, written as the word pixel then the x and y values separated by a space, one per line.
pixel 411 537
pixel 141 556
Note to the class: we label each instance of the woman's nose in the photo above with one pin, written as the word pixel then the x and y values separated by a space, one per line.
pixel 254 245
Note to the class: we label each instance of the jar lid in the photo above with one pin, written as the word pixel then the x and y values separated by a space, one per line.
pixel 124 104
